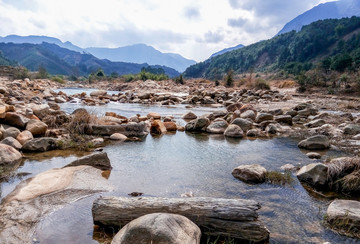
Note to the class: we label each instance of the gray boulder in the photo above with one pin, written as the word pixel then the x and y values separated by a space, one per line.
pixel 313 174
pixel 217 127
pixel 315 123
pixel 244 124
pixel 98 160
pixel 159 228
pixel 319 142
pixel 9 155
pixel 11 132
pixel 40 145
pixel 263 117
pixel 344 216
pixel 12 142
pixel 234 131
pixel 250 173
pixel 285 119
pixel 199 124
pixel 352 129
pixel 248 114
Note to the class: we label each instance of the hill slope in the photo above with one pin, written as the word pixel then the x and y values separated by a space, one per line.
pixel 58 60
pixel 139 53
pixel 330 38
pixel 330 10
pixel 226 50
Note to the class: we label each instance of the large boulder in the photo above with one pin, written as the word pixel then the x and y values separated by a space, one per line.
pixel 263 117
pixel 15 119
pixel 12 142
pixel 40 145
pixel 24 136
pixel 11 132
pixel 319 142
pixel 157 127
pixel 98 93
pixel 9 155
pixel 129 129
pixel 159 228
pixel 153 115
pixel 199 124
pixel 234 131
pixel 217 127
pixel 344 216
pixel 98 160
pixel 250 173
pixel 36 127
pixel 285 119
pixel 244 124
pixel 41 110
pixel 314 174
pixel 248 114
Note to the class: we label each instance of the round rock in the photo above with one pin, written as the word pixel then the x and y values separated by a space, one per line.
pixel 250 173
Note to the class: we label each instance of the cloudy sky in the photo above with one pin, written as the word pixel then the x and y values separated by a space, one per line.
pixel 194 29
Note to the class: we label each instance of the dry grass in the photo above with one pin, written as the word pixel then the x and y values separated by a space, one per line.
pixel 340 167
pixel 351 182
pixel 278 178
pixel 283 83
pixel 80 122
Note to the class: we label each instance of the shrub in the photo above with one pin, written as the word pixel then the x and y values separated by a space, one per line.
pixel 179 80
pixel 260 84
pixel 229 80
pixel 278 178
pixel 58 79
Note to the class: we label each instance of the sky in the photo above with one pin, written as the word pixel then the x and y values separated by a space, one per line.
pixel 193 29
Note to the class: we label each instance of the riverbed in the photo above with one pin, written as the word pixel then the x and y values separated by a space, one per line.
pixel 177 163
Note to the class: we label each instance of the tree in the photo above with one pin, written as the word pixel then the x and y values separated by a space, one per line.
pixel 42 73
pixel 229 80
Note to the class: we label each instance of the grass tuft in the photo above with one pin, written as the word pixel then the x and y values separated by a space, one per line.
pixel 278 178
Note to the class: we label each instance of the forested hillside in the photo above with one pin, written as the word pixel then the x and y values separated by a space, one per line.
pixel 333 43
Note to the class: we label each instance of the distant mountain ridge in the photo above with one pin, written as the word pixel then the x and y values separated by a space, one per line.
pixel 59 60
pixel 139 53
pixel 225 50
pixel 329 10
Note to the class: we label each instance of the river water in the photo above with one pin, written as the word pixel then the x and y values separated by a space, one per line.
pixel 172 164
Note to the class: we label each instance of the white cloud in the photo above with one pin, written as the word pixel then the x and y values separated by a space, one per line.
pixel 193 29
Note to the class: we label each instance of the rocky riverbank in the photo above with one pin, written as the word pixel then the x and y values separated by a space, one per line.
pixel 32 121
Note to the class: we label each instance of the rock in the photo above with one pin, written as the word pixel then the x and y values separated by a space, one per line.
pixel 41 110
pixel 344 216
pixel 170 126
pixel 40 145
pixel 288 167
pixel 217 127
pixel 318 142
pixel 286 119
pixel 233 107
pixel 159 228
pixel 54 106
pixel 36 127
pixel 199 124
pixel 15 119
pixel 12 142
pixel 249 114
pixel 153 115
pixel 263 117
pixel 2 111
pixel 271 129
pixel 244 124
pixel 118 137
pixel 60 99
pixel 356 137
pixel 24 137
pixel 315 123
pixel 11 132
pixel 157 127
pixel 98 93
pixel 250 173
pixel 96 142
pixel 98 160
pixel 234 131
pixel 189 116
pixel 129 129
pixel 253 133
pixel 35 198
pixel 352 129
pixel 313 174
pixel 9 155
pixel 313 155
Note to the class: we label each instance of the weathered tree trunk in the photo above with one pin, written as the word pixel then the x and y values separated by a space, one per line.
pixel 233 218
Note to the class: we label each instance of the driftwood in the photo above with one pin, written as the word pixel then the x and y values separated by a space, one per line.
pixel 233 218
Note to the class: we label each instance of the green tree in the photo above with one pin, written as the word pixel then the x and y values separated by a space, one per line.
pixel 42 73
pixel 229 79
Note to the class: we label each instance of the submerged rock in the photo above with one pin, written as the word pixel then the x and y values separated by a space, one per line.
pixel 98 160
pixel 319 142
pixel 250 173
pixel 159 228
pixel 40 145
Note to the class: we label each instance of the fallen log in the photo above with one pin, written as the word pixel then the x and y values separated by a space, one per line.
pixel 235 218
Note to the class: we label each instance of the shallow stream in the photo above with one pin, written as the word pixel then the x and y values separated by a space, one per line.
pixel 172 164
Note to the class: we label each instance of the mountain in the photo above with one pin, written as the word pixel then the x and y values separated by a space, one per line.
pixel 330 10
pixel 141 53
pixel 334 40
pixel 38 40
pixel 227 50
pixel 58 60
